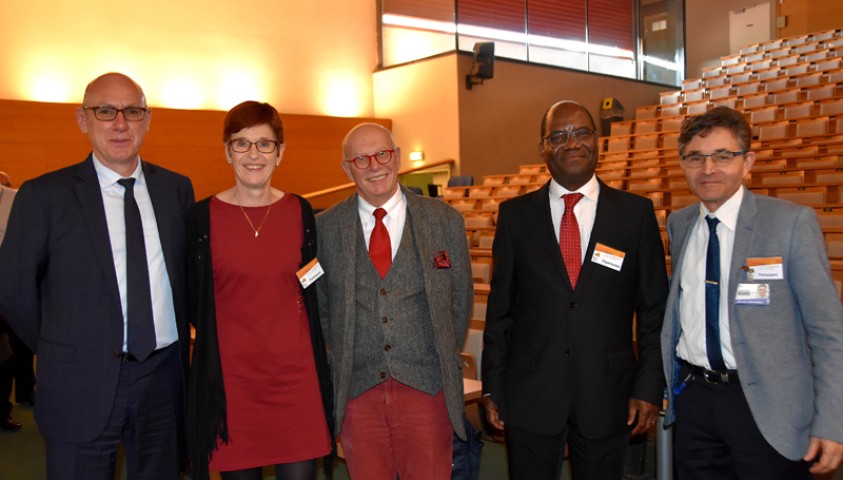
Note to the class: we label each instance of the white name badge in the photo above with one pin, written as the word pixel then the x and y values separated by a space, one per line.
pixel 608 257
pixel 310 273
pixel 764 268
pixel 753 294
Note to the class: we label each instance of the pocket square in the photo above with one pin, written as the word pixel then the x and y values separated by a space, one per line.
pixel 441 260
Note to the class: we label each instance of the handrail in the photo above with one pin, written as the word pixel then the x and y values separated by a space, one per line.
pixel 350 185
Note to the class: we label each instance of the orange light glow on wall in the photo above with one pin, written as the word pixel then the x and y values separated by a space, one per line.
pixel 237 86
pixel 195 54
pixel 49 87
pixel 342 96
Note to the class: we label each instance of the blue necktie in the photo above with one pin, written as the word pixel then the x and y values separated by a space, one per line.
pixel 712 297
pixel 140 324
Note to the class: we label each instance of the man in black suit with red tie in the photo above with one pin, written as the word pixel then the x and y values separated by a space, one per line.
pixel 92 280
pixel 575 264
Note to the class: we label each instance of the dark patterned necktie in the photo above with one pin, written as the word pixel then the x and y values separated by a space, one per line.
pixel 712 297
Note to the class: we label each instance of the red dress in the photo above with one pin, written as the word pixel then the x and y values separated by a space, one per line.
pixel 273 403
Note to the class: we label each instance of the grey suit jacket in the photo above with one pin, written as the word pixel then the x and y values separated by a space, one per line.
pixel 789 354
pixel 450 292
pixel 7 196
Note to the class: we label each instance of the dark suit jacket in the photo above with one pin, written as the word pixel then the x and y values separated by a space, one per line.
pixel 550 350
pixel 58 290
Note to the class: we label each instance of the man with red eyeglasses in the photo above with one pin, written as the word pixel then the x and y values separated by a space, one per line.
pixel 395 303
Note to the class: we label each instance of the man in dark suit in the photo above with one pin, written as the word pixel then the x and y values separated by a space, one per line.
pixel 577 265
pixel 111 358
pixel 7 360
pixel 395 308
pixel 753 334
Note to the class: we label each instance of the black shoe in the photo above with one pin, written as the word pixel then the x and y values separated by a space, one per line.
pixel 9 424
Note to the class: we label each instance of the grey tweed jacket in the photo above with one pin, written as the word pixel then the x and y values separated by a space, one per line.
pixel 436 227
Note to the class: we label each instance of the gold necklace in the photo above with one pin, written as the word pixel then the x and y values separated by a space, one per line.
pixel 265 216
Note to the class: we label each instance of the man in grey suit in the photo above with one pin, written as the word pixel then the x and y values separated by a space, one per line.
pixel 755 374
pixel 395 304
pixel 111 358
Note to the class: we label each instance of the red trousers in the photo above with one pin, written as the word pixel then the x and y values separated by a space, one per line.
pixel 395 429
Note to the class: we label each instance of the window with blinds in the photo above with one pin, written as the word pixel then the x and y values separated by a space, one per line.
pixel 592 35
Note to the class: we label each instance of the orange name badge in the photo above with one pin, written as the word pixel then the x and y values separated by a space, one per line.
pixel 765 268
pixel 608 257
pixel 310 273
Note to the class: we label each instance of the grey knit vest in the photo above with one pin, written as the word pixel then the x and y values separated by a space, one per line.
pixel 393 330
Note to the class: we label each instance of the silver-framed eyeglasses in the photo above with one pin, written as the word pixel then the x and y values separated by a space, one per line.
pixel 106 113
pixel 241 145
pixel 697 160
pixel 560 139
pixel 362 161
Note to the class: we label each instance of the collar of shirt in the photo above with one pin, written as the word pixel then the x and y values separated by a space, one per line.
pixel 728 212
pixel 585 210
pixel 108 177
pixel 396 215
pixel 591 190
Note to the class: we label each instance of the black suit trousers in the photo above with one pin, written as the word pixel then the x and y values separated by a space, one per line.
pixel 716 438
pixel 533 456
pixel 146 418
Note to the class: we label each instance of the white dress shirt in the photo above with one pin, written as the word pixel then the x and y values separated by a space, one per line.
pixel 161 291
pixel 585 210
pixel 396 216
pixel 691 346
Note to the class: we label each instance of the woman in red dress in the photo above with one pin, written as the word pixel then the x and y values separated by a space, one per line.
pixel 259 389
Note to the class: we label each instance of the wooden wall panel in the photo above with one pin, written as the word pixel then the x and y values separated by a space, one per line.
pixel 37 137
pixel 808 16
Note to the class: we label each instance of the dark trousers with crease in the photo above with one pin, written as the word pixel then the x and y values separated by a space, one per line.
pixel 146 419
pixel 533 456
pixel 716 438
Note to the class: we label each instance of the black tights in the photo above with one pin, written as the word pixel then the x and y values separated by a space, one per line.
pixel 305 470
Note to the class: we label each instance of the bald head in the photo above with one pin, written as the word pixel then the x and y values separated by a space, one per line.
pixel 109 81
pixel 564 105
pixel 115 141
pixel 377 181
pixel 367 129
pixel 5 180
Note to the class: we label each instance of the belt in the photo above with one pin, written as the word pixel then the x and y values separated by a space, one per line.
pixel 724 377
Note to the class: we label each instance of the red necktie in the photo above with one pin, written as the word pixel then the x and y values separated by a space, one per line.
pixel 380 249
pixel 569 238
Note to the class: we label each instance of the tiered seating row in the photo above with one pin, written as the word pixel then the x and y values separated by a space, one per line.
pixel 791 91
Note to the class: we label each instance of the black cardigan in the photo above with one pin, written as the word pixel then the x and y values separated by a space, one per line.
pixel 206 410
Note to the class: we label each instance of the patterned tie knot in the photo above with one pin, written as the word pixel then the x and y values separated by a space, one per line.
pixel 571 200
pixel 379 214
pixel 128 183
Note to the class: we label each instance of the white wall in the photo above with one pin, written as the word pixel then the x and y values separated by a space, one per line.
pixel 421 98
pixel 707 31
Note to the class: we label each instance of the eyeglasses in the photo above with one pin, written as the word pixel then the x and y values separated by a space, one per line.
pixel 241 145
pixel 560 139
pixel 697 160
pixel 106 114
pixel 363 161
